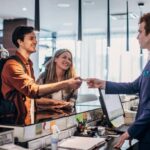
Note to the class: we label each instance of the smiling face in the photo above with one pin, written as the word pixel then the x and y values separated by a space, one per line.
pixel 64 61
pixel 28 43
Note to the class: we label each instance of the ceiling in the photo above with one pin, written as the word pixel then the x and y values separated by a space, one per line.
pixel 64 20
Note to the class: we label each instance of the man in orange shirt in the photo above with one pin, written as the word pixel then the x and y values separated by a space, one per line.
pixel 18 84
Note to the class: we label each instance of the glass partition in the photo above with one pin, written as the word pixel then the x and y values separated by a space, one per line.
pixel 89 56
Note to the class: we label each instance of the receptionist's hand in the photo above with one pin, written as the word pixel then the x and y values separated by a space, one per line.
pixel 122 139
pixel 96 83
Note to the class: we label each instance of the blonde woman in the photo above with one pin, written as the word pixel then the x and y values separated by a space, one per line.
pixel 59 68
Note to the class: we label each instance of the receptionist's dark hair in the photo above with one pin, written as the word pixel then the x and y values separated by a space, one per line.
pixel 146 18
pixel 19 33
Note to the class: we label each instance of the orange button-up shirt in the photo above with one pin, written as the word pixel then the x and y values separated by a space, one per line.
pixel 15 78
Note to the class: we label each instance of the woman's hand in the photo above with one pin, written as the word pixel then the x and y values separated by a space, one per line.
pixel 63 105
pixel 53 103
pixel 74 83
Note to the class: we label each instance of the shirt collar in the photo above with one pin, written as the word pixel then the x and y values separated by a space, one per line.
pixel 24 60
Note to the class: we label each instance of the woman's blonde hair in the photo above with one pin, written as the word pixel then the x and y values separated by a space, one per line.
pixel 50 75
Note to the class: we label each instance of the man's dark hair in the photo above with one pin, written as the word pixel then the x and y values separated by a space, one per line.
pixel 20 32
pixel 146 18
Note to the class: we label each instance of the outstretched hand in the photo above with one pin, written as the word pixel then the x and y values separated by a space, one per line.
pixel 74 83
pixel 95 83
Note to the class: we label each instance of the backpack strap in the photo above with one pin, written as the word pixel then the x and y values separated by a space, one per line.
pixel 15 57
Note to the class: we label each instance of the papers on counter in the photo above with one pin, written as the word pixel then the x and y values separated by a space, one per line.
pixel 12 147
pixel 81 143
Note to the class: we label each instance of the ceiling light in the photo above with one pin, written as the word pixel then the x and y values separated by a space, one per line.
pixel 63 5
pixel 88 2
pixel 24 9
pixel 122 16
pixel 67 24
pixel 133 16
pixel 114 18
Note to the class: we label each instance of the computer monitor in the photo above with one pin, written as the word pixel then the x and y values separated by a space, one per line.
pixel 111 106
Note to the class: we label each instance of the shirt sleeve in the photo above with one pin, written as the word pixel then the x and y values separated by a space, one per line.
pixel 15 77
pixel 122 88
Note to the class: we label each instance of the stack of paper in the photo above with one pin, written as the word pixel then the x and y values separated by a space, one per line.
pixel 81 143
pixel 12 147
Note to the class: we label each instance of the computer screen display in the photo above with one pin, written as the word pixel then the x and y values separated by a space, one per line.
pixel 112 104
